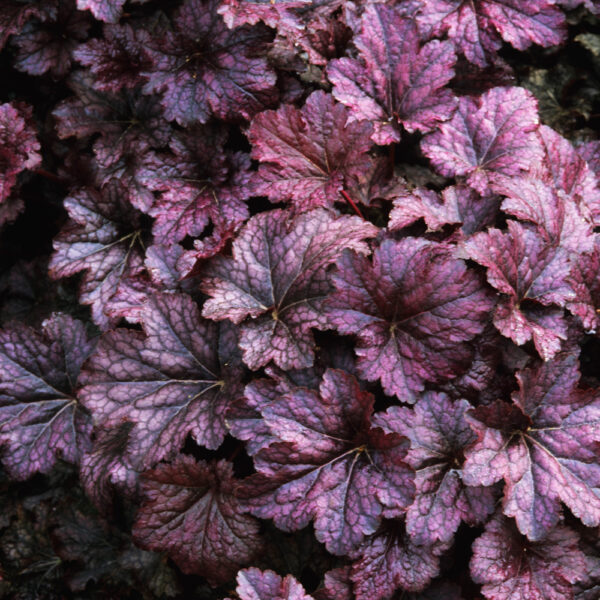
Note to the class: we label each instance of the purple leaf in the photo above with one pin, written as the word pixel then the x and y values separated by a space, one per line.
pixel 512 568
pixel 254 584
pixel 525 267
pixel 177 380
pixel 117 59
pixel 108 11
pixel 492 134
pixel 438 433
pixel 206 69
pixel 192 512
pixel 105 468
pixel 40 418
pixel 395 81
pixel 390 560
pixel 329 465
pixel 47 45
pixel 336 585
pixel 475 26
pixel 544 448
pixel 412 310
pixel 103 239
pixel 15 14
pixel 458 204
pixel 270 12
pixel 201 183
pixel 19 147
pixel 308 154
pixel 275 284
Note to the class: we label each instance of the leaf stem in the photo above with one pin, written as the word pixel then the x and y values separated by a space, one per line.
pixel 352 204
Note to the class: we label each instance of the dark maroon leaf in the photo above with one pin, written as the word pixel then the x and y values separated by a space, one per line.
pixel 176 380
pixel 206 69
pixel 510 567
pixel 191 511
pixel 117 59
pixel 545 448
pixel 412 309
pixel 275 284
pixel 329 465
pixel 47 45
pixel 40 418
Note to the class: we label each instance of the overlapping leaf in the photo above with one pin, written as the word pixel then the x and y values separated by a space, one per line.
pixel 174 381
pixel 254 584
pixel 308 154
pixel 533 275
pixel 102 239
pixel 40 418
pixel 412 311
pixel 191 511
pixel 512 568
pixel 329 465
pixel 545 448
pixel 276 282
pixel 19 147
pixel 438 433
pixel 475 27
pixel 390 560
pixel 491 134
pixel 395 81
pixel 206 69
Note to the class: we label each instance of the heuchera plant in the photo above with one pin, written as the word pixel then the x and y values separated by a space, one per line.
pixel 300 299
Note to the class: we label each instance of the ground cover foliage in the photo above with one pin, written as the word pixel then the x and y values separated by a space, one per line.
pixel 300 299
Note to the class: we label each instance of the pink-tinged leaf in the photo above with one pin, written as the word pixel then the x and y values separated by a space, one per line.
pixel 117 59
pixel 177 380
pixel 588 587
pixel 47 45
pixel 475 27
pixel 108 11
pixel 105 469
pixel 565 167
pixel 457 205
pixel 395 81
pixel 40 418
pixel 206 69
pixel 510 567
pixel 201 184
pixel 492 134
pixel 270 12
pixel 102 239
pixel 329 465
pixel 308 154
pixel 336 585
pixel 544 447
pixel 19 147
pixel 390 560
pixel 560 218
pixel 412 311
pixel 254 584
pixel 585 279
pixel 438 434
pixel 275 284
pixel 524 266
pixel 191 511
